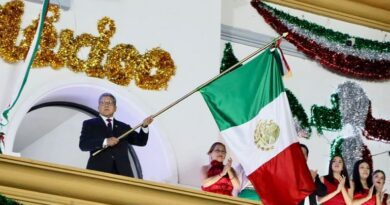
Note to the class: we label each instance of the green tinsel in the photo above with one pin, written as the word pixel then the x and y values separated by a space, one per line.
pixel 360 43
pixel 7 201
pixel 335 147
pixel 324 118
pixel 228 59
pixel 298 112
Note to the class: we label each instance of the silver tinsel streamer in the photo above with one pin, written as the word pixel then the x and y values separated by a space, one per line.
pixel 354 104
pixel 352 149
pixel 300 131
pixel 335 46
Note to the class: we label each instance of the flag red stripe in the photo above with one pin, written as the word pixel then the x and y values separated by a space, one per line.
pixel 285 179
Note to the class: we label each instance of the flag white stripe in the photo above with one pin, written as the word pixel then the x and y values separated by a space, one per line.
pixel 240 139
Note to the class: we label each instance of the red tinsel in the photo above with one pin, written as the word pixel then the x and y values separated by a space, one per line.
pixel 366 155
pixel 376 129
pixel 341 63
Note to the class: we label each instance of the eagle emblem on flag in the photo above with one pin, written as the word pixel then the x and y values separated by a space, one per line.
pixel 266 134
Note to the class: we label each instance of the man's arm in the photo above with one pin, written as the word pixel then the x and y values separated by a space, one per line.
pixel 321 189
pixel 140 138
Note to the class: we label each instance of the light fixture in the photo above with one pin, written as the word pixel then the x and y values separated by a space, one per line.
pixel 64 4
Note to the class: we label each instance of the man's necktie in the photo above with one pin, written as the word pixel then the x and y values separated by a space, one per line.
pixel 109 127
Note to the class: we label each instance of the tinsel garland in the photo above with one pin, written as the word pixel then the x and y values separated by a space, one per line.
pixel 333 59
pixel 376 129
pixel 346 47
pixel 335 147
pixel 299 114
pixel 354 104
pixel 324 118
pixel 352 150
pixel 228 59
pixel 123 63
pixel 334 36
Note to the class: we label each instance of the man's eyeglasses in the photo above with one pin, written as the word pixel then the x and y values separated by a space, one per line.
pixel 109 103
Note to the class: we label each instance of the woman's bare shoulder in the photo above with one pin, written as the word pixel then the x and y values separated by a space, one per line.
pixel 205 167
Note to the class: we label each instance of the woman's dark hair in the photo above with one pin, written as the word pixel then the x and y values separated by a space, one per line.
pixel 305 147
pixel 376 172
pixel 214 145
pixel 356 177
pixel 330 178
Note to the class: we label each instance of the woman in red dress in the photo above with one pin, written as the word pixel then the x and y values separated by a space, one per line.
pixel 337 183
pixel 217 177
pixel 362 189
pixel 379 179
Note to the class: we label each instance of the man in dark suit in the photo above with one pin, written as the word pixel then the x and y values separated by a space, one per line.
pixel 320 187
pixel 101 132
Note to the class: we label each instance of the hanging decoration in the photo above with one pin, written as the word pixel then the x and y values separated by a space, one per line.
pixel 300 117
pixel 155 69
pixel 347 55
pixel 346 41
pixel 335 147
pixel 353 104
pixel 376 129
pixel 356 111
pixel 352 150
pixel 152 70
pixel 324 118
pixel 228 59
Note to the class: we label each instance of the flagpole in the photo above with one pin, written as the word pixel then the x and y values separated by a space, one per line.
pixel 200 87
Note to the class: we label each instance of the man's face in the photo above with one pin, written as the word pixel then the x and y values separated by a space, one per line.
pixel 304 152
pixel 107 107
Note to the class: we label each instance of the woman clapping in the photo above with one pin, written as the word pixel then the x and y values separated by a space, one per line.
pixel 217 177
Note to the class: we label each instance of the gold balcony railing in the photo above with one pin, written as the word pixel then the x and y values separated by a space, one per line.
pixel 34 182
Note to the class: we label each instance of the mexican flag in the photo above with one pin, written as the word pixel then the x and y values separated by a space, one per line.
pixel 251 109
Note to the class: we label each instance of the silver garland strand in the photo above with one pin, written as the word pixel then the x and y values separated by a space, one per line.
pixel 354 104
pixel 335 46
pixel 352 149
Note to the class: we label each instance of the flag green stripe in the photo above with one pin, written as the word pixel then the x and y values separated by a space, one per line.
pixel 237 97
